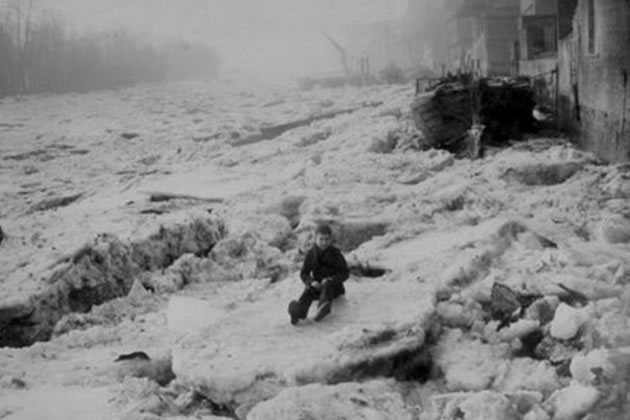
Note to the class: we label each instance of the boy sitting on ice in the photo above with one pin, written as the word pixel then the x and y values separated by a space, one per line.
pixel 323 273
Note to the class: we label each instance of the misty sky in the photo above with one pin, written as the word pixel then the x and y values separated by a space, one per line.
pixel 267 36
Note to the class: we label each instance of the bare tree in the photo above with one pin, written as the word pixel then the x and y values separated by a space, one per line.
pixel 6 62
pixel 38 55
pixel 22 11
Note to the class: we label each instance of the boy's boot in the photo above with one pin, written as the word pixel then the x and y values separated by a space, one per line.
pixel 323 309
pixel 294 312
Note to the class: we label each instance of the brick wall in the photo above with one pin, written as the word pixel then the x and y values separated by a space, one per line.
pixel 568 113
pixel 603 95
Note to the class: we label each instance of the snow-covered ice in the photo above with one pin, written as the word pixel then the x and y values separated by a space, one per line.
pixel 174 184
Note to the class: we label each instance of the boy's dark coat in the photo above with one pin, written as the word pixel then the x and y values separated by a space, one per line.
pixel 329 263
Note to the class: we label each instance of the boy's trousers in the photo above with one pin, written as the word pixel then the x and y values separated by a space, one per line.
pixel 328 292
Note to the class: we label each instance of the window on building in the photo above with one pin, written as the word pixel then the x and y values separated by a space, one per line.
pixel 537 38
pixel 591 26
pixel 541 37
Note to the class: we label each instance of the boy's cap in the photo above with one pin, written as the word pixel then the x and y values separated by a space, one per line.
pixel 323 229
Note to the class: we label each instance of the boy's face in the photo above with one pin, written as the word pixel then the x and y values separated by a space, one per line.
pixel 322 240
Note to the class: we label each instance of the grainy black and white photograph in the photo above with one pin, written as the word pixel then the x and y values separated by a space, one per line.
pixel 314 209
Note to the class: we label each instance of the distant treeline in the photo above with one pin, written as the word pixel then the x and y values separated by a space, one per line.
pixel 42 57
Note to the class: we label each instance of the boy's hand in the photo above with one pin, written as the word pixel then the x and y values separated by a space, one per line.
pixel 315 285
